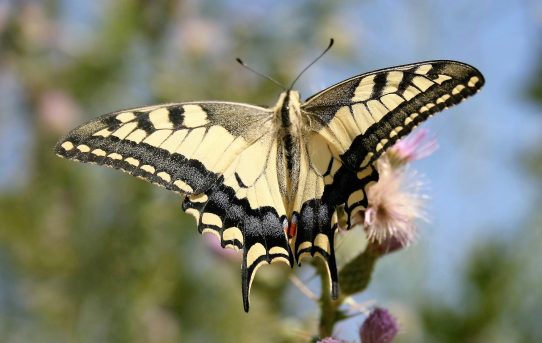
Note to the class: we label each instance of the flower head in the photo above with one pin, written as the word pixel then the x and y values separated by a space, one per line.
pixel 395 203
pixel 213 243
pixel 379 327
pixel 58 110
pixel 329 340
pixel 413 147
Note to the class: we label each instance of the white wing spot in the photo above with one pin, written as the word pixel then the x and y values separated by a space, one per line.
pixel 211 219
pixel 322 242
pixel 473 81
pixel 125 117
pixel 194 116
pixel 99 152
pixel 365 172
pixel 164 176
pixel 366 160
pixel 365 89
pixel 199 198
pixel 443 99
pixel 423 69
pixel 254 253
pixel 103 133
pixel 83 148
pixel 193 212
pixel 458 89
pixel 148 169
pixel 232 233
pixel 67 146
pixel 422 83
pixel 210 231
pixel 278 250
pixel 183 186
pixel 160 119
pixel 441 78
pixel 392 82
pixel 115 156
pixel 395 131
pixel 381 144
pixel 132 161
pixel 355 197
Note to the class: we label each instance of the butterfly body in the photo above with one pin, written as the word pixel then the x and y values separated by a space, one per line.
pixel 269 180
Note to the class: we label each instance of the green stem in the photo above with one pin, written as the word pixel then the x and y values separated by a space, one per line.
pixel 354 277
pixel 329 307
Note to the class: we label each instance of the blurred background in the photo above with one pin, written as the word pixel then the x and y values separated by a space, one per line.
pixel 88 254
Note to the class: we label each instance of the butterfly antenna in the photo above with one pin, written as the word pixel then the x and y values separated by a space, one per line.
pixel 331 41
pixel 260 74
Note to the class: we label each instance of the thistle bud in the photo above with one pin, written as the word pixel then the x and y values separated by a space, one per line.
pixel 379 327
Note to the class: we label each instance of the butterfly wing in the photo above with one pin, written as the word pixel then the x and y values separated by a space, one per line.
pixel 223 156
pixel 352 124
pixel 183 147
pixel 245 209
pixel 363 116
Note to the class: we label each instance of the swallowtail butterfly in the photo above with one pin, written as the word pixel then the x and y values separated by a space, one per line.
pixel 269 180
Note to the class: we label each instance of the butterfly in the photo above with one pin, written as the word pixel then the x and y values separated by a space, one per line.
pixel 269 180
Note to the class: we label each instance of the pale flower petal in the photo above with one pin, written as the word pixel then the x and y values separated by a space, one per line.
pixel 413 147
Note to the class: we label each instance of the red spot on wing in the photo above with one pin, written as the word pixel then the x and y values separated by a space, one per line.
pixel 291 229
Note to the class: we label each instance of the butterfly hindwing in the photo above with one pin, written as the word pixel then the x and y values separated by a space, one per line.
pixel 246 211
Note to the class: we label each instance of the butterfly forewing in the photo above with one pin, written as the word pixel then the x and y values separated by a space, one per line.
pixel 183 147
pixel 361 117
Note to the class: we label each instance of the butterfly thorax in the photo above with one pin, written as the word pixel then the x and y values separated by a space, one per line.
pixel 289 125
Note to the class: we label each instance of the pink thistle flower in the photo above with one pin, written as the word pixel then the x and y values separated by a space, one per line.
pixel 379 327
pixel 57 110
pixel 329 340
pixel 212 241
pixel 395 203
pixel 413 147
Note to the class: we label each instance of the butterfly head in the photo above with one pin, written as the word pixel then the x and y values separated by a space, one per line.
pixel 287 108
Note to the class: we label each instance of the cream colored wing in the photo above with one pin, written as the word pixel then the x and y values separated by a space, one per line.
pixel 245 209
pixel 222 155
pixel 363 116
pixel 352 124
pixel 183 147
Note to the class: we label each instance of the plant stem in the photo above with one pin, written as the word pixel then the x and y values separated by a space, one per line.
pixel 329 314
pixel 354 276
